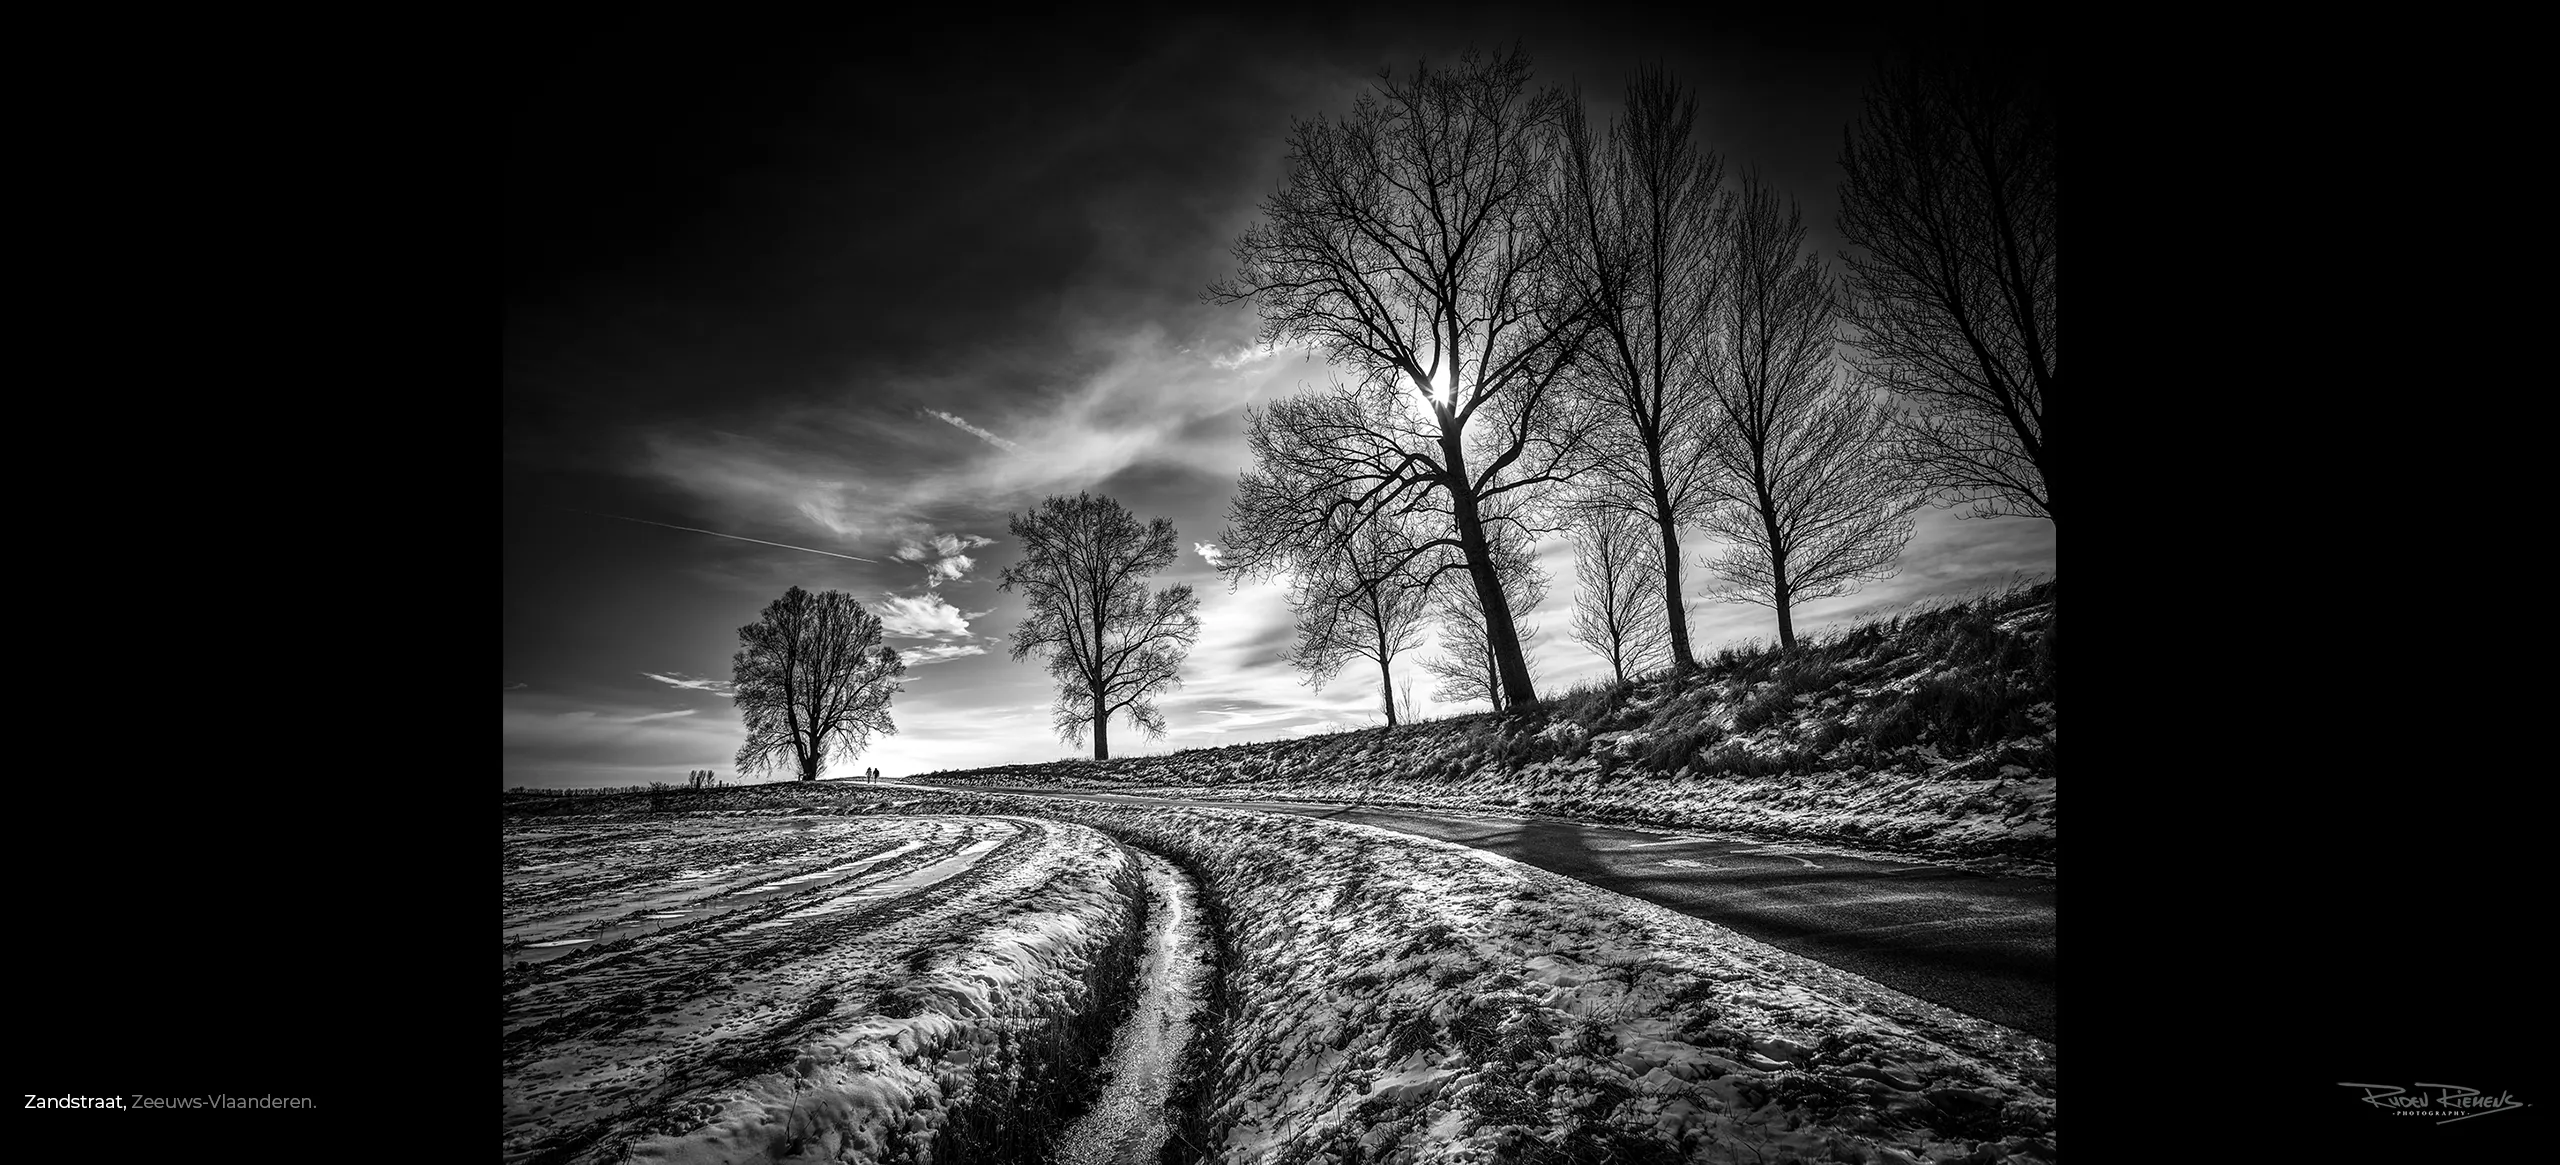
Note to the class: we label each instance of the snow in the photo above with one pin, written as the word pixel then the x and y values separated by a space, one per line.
pixel 1126 1123
pixel 766 1029
pixel 1985 804
pixel 1426 1001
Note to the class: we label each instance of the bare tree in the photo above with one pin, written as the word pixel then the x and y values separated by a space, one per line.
pixel 1617 602
pixel 1467 666
pixel 1814 505
pixel 1409 244
pixel 813 682
pixel 1642 211
pixel 1367 601
pixel 1110 645
pixel 1950 193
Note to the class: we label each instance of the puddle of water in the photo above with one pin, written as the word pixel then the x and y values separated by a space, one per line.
pixel 1126 1123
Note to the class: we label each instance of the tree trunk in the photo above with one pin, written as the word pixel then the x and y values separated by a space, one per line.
pixel 1681 658
pixel 809 766
pixel 1387 689
pixel 1778 590
pixel 1101 730
pixel 1509 664
pixel 1780 596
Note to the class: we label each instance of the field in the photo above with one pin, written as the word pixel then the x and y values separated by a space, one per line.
pixel 752 987
pixel 945 963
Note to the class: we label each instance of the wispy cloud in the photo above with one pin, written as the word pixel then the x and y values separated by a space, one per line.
pixel 1248 354
pixel 692 684
pixel 941 556
pixel 938 652
pixel 751 480
pixel 589 716
pixel 515 687
pixel 1136 400
pixel 975 431
pixel 1209 553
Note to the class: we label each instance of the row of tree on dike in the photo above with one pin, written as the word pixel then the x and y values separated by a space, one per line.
pixel 1554 329
pixel 1551 329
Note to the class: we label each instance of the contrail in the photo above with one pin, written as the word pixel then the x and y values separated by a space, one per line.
pixel 981 434
pixel 717 534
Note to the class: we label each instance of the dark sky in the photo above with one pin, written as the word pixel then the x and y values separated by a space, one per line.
pixel 867 290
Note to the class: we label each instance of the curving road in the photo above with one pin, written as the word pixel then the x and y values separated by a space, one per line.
pixel 1977 943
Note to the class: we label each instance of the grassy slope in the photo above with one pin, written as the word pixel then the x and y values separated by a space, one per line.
pixel 1929 733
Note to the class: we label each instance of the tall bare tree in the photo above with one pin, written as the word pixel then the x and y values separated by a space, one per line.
pixel 1617 601
pixel 1642 213
pixel 1950 197
pixel 813 682
pixel 1110 644
pixel 1365 601
pixel 1467 666
pixel 1814 505
pixel 1410 245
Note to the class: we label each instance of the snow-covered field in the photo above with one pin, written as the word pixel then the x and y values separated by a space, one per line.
pixel 1386 997
pixel 1932 736
pixel 763 987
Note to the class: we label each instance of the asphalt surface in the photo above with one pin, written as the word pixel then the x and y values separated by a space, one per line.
pixel 1979 944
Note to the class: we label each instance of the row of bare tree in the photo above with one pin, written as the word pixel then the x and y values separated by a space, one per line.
pixel 1550 328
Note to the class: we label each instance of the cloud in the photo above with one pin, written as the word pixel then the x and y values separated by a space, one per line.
pixel 583 716
pixel 938 652
pixel 829 512
pixel 690 684
pixel 1241 713
pixel 1129 396
pixel 752 480
pixel 1209 553
pixel 975 431
pixel 515 687
pixel 925 616
pixel 1248 354
pixel 941 556
pixel 544 736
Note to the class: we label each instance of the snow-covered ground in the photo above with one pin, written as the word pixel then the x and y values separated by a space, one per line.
pixel 761 987
pixel 1394 998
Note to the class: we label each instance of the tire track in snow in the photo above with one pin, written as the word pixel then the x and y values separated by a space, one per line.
pixel 1127 1122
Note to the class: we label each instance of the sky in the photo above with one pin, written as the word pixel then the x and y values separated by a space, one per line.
pixel 825 305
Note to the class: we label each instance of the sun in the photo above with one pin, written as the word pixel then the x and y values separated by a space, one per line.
pixel 1438 387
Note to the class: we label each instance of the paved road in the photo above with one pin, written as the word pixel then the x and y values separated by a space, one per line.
pixel 1980 944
